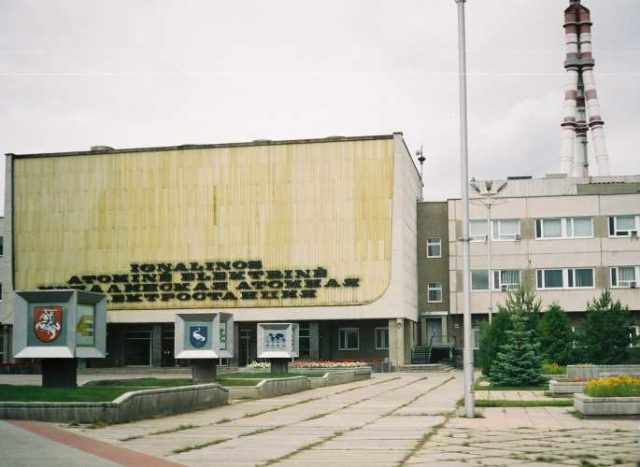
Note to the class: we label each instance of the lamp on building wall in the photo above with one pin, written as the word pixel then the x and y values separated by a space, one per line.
pixel 487 199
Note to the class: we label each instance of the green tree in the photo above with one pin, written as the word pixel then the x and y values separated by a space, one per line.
pixel 518 362
pixel 492 336
pixel 604 332
pixel 524 301
pixel 556 336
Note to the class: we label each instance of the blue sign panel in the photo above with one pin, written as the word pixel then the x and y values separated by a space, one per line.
pixel 198 336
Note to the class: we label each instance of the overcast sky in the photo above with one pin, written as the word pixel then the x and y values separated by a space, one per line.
pixel 135 73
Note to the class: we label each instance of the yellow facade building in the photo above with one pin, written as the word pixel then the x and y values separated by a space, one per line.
pixel 321 232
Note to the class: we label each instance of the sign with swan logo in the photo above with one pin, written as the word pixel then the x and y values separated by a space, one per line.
pixel 203 335
pixel 198 336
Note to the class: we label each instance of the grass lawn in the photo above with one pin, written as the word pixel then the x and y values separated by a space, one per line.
pixel 524 403
pixel 108 390
pixel 10 393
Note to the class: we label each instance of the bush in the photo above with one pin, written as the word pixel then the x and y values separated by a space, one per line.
pixel 556 336
pixel 553 369
pixel 518 362
pixel 614 386
pixel 604 337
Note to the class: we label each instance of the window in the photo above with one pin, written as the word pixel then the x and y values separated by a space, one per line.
pixel 349 338
pixel 478 230
pixel 566 227
pixel 434 248
pixel 506 229
pixel 382 338
pixel 624 226
pixel 1 246
pixel 501 229
pixel 572 278
pixel 625 276
pixel 434 292
pixel 475 338
pixel 507 279
pixel 480 279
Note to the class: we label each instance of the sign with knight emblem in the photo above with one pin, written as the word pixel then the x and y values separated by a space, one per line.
pixel 47 322
pixel 59 324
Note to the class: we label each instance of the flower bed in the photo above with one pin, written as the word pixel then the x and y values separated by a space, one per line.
pixel 614 386
pixel 615 395
pixel 312 364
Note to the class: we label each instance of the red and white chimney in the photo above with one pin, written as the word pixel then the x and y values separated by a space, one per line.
pixel 581 106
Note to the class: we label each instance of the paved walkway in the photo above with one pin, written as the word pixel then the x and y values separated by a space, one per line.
pixel 392 419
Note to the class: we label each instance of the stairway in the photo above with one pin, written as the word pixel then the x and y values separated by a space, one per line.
pixel 421 356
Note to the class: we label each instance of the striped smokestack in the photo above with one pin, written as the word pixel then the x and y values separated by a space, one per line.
pixel 581 106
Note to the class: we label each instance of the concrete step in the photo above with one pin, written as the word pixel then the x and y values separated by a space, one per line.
pixel 424 367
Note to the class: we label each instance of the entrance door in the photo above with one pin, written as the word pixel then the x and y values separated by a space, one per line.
pixel 247 348
pixel 168 336
pixel 434 331
pixel 137 347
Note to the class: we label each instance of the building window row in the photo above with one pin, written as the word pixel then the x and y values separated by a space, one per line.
pixel 501 229
pixel 566 278
pixel 566 227
pixel 503 279
pixel 552 228
pixel 349 338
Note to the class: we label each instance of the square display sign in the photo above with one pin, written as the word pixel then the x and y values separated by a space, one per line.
pixel 203 335
pixel 59 324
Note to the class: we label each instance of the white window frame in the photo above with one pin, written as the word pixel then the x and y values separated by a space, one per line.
pixel 614 232
pixel 434 243
pixel 624 284
pixel 498 236
pixel 473 225
pixel 384 332
pixel 497 284
pixel 434 286
pixel 567 226
pixel 475 338
pixel 478 271
pixel 344 331
pixel 566 273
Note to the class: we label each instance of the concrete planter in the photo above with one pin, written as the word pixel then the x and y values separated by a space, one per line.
pixel 595 371
pixel 606 405
pixel 562 388
pixel 134 405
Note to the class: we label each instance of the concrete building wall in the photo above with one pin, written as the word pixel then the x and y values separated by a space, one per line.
pixel 528 200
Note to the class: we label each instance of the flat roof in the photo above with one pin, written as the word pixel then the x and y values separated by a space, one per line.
pixel 257 142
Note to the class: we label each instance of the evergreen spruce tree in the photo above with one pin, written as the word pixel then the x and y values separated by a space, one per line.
pixel 524 301
pixel 492 336
pixel 604 333
pixel 519 362
pixel 556 336
pixel 521 301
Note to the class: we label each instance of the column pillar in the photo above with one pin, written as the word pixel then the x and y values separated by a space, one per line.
pixel 236 345
pixel 314 340
pixel 396 342
pixel 156 345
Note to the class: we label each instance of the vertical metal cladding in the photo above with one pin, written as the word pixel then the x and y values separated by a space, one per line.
pixel 581 108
